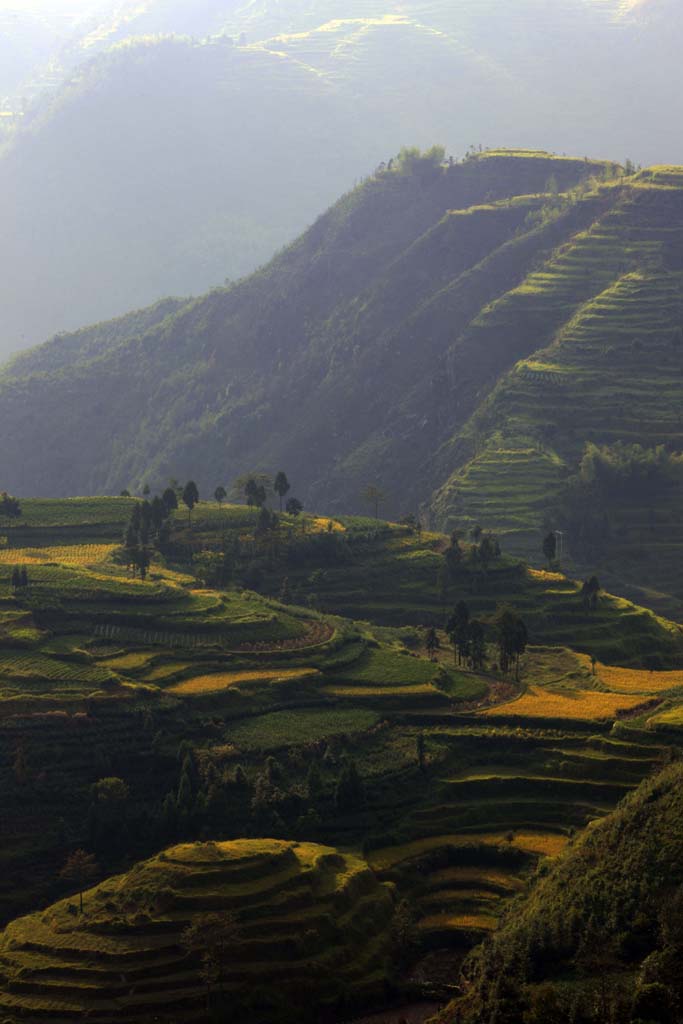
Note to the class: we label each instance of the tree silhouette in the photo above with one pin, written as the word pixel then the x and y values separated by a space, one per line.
pixel 213 936
pixel 294 507
pixel 550 547
pixel 432 642
pixel 374 496
pixel 170 499
pixel 190 498
pixel 80 868
pixel 255 493
pixel 281 486
pixel 220 494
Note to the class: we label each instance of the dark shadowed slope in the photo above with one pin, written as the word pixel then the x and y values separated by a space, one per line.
pixel 329 362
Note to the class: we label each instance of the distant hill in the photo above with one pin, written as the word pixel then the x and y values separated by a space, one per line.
pixel 601 927
pixel 170 145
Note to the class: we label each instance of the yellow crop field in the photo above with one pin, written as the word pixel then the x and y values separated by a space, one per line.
pixel 634 680
pixel 323 525
pixel 460 876
pixel 70 554
pixel 162 672
pixel 480 922
pixel 545 844
pixel 218 681
pixel 545 576
pixel 129 662
pixel 582 705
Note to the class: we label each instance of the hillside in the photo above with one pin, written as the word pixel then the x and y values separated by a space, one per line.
pixel 318 919
pixel 452 331
pixel 602 926
pixel 218 130
pixel 583 434
pixel 284 366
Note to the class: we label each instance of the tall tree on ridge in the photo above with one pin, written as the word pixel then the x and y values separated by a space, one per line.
pixel 190 498
pixel 281 486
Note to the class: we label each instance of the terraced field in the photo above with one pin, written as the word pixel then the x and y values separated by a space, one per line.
pixel 604 314
pixel 223 713
pixel 309 923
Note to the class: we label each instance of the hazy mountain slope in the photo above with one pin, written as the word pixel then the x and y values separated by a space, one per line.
pixel 135 185
pixel 165 167
pixel 603 927
pixel 607 316
pixel 331 361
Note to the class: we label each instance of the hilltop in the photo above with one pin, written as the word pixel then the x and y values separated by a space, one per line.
pixel 161 147
pixel 318 919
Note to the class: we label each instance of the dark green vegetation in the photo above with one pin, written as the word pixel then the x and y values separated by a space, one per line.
pixel 217 130
pixel 139 714
pixel 504 335
pixel 600 936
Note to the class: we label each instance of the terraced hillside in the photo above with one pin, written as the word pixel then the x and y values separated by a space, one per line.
pixel 285 366
pixel 640 841
pixel 182 80
pixel 605 316
pixel 309 925
pixel 502 333
pixel 136 713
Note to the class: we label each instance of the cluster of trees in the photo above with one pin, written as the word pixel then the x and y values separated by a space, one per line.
pixel 227 802
pixel 467 637
pixel 19 579
pixel 9 506
pixel 148 525
pixel 256 488
pixel 627 469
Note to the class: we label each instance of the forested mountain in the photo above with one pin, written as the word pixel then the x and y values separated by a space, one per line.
pixel 217 131
pixel 499 341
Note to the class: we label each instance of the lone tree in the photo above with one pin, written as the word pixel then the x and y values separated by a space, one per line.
pixel 432 643
pixel 190 498
pixel 590 592
pixel 294 507
pixel 458 629
pixel 255 493
pixel 281 486
pixel 170 500
pixel 374 496
pixel 512 638
pixel 80 868
pixel 220 494
pixel 213 937
pixel 477 645
pixel 550 547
